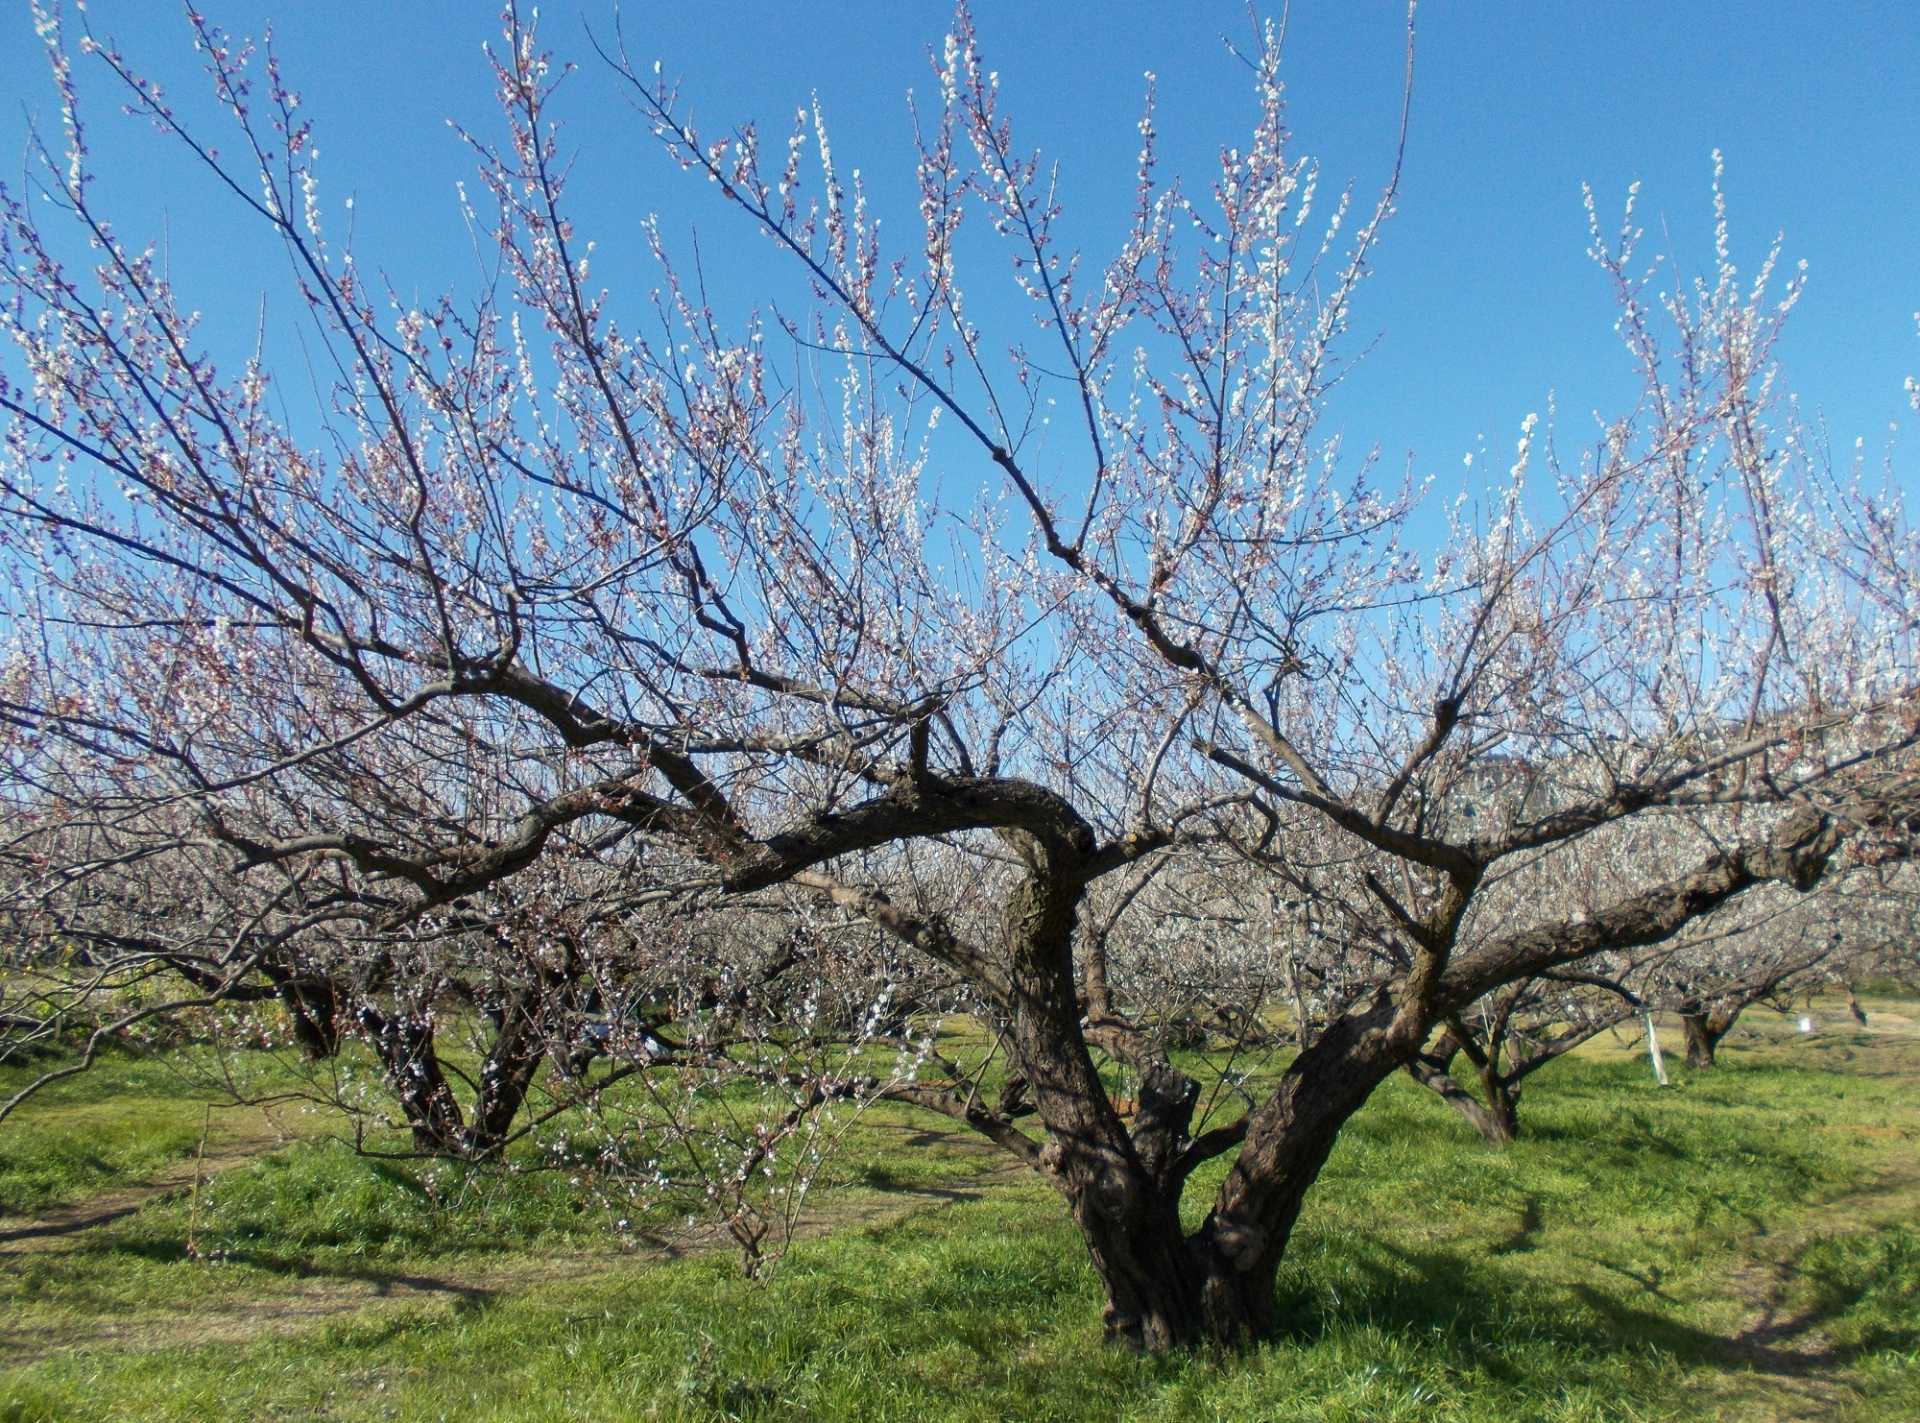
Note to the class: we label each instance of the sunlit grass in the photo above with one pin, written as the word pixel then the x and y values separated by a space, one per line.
pixel 1620 1262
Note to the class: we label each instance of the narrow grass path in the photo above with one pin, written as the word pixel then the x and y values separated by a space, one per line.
pixel 1783 1358
pixel 59 1227
pixel 302 1294
pixel 1789 1358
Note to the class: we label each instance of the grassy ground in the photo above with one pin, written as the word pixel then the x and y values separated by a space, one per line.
pixel 1741 1245
pixel 126 1121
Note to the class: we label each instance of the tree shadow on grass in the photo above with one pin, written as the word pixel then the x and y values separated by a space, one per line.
pixel 1485 1322
pixel 371 1279
pixel 1438 1296
pixel 71 1222
pixel 1526 1231
pixel 917 1137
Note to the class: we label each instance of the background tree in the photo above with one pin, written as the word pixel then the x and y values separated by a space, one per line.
pixel 1514 1032
pixel 1768 950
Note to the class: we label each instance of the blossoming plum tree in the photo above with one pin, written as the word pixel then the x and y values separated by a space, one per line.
pixel 559 575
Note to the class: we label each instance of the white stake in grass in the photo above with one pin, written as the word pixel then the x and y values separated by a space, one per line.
pixel 1653 1051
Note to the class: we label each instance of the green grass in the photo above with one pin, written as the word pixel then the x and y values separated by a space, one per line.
pixel 129 1116
pixel 983 1311
pixel 1717 1249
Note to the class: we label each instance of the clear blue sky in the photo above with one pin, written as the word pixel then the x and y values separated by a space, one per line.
pixel 1484 303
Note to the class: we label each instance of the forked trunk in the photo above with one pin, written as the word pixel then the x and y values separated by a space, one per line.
pixel 1165 1291
pixel 505 1079
pixel 1497 1118
pixel 1704 1031
pixel 1217 1286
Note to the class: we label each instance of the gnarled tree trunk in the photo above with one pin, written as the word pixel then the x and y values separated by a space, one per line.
pixel 1217 1285
pixel 519 1047
pixel 1704 1029
pixel 315 1007
pixel 1497 1119
pixel 1126 1210
pixel 404 1044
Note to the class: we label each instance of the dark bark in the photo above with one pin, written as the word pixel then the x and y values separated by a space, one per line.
pixel 1131 1227
pixel 1704 1028
pixel 1123 1188
pixel 1166 1290
pixel 1239 1247
pixel 1497 1119
pixel 519 1047
pixel 316 1009
pixel 315 1004
pixel 404 1044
